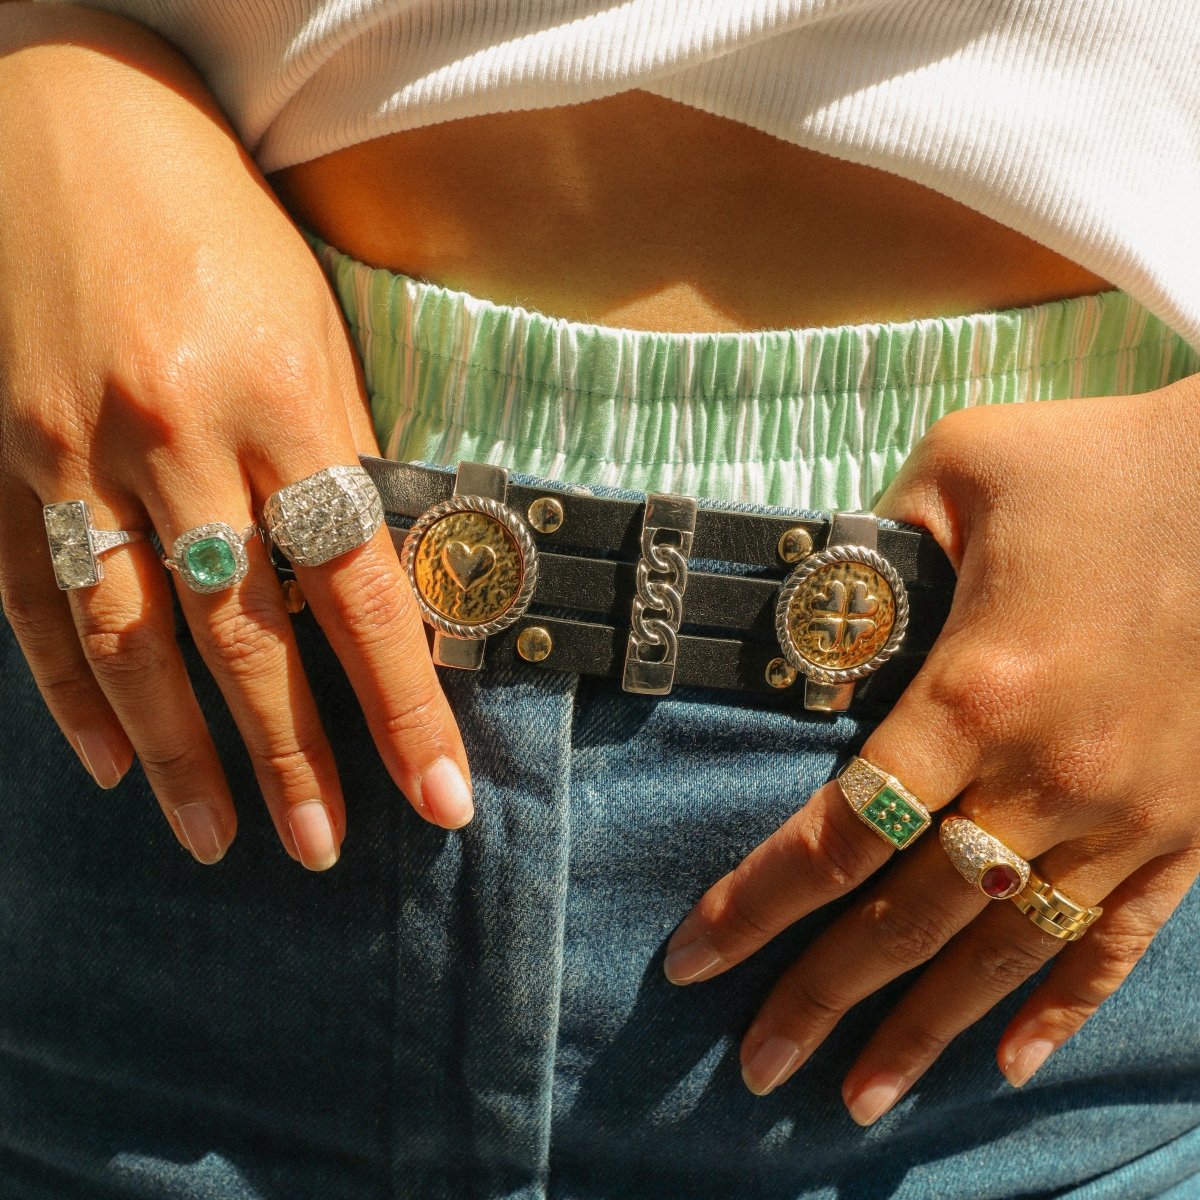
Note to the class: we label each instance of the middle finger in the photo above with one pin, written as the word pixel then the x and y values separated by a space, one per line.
pixel 244 635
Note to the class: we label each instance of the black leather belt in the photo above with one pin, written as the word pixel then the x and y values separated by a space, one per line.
pixel 665 592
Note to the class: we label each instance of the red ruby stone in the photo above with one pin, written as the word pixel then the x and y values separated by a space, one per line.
pixel 1000 881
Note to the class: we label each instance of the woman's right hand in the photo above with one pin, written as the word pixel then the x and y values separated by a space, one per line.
pixel 171 352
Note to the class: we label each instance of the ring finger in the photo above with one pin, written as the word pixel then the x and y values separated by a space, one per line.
pixel 126 630
pixel 997 952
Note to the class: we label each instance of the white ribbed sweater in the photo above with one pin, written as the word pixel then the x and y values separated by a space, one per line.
pixel 1076 122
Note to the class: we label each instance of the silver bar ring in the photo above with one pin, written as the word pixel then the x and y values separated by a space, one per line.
pixel 76 544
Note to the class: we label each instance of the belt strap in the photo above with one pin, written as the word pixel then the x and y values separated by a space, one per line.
pixel 587 569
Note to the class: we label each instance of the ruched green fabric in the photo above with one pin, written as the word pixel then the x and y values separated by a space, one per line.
pixel 817 418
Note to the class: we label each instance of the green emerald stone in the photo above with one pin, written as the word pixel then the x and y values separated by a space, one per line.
pixel 210 561
pixel 894 817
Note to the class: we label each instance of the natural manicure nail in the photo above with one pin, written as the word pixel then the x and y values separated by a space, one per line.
pixel 876 1097
pixel 202 831
pixel 689 961
pixel 771 1064
pixel 96 754
pixel 1027 1060
pixel 445 794
pixel 312 831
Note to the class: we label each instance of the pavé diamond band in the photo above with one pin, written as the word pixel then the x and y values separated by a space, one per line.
pixel 326 514
pixel 984 861
pixel 76 544
pixel 883 802
pixel 211 557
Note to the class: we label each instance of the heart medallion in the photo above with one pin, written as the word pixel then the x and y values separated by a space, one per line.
pixel 468 565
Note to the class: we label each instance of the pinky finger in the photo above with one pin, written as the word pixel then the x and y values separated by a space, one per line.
pixel 40 617
pixel 1091 970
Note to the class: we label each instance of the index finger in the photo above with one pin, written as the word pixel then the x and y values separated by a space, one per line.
pixel 366 607
pixel 825 849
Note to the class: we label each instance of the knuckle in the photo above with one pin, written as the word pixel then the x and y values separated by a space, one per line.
pixel 290 764
pixel 166 764
pixel 737 917
pixel 24 611
pixel 814 1002
pixel 827 856
pixel 921 1045
pixel 1090 767
pixel 986 692
pixel 159 389
pixel 126 655
pixel 1112 958
pixel 245 638
pixel 904 936
pixel 374 604
pixel 417 718
pixel 1005 965
pixel 41 429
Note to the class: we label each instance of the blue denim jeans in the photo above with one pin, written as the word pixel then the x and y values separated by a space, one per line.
pixel 482 1014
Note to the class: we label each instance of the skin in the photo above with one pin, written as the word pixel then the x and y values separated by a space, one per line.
pixel 1078 759
pixel 175 357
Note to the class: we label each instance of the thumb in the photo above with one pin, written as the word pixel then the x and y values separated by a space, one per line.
pixel 919 494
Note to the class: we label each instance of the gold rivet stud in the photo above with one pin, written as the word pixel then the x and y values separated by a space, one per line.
pixel 794 544
pixel 545 515
pixel 293 597
pixel 780 673
pixel 534 643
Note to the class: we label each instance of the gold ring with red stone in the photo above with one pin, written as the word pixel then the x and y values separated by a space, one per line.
pixel 984 861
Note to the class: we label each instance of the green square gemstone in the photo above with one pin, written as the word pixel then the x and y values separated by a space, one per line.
pixel 894 817
pixel 211 561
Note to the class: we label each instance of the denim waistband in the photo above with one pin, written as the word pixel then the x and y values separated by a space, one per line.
pixel 814 418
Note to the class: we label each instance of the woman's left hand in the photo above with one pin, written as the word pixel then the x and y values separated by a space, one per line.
pixel 1058 709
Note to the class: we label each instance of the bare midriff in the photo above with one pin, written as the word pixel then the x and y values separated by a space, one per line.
pixel 641 212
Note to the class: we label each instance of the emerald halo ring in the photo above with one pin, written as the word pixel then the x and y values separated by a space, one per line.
pixel 211 557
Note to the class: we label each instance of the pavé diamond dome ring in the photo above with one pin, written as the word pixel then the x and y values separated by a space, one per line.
pixel 323 515
pixel 76 544
pixel 211 557
pixel 881 801
pixel 985 862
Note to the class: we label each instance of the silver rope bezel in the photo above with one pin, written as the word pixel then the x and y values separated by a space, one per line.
pixel 507 517
pixel 798 576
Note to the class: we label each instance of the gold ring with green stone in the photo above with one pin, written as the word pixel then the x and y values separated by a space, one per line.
pixel 883 802
pixel 211 557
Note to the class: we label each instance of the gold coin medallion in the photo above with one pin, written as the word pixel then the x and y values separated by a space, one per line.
pixel 468 567
pixel 841 615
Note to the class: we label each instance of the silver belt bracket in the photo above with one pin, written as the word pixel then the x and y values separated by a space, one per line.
pixel 668 525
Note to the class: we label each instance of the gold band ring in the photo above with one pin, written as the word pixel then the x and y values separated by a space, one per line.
pixel 1052 912
pixel 881 801
pixel 984 861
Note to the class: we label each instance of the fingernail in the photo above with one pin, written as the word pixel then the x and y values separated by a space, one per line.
pixel 96 754
pixel 202 831
pixel 445 794
pixel 771 1064
pixel 313 832
pixel 1027 1060
pixel 690 961
pixel 873 1100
